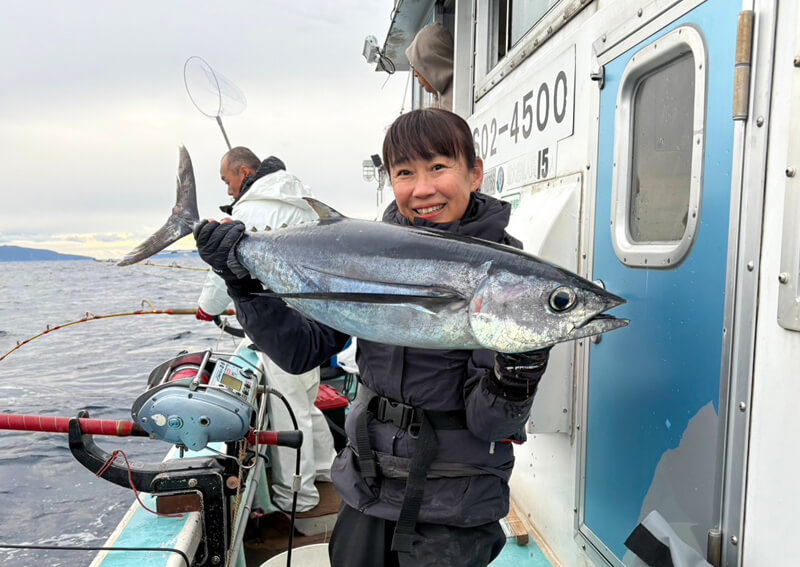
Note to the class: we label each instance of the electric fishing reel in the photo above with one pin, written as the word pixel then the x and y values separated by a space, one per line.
pixel 198 398
pixel 193 400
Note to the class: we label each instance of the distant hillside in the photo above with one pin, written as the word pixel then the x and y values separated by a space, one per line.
pixel 20 254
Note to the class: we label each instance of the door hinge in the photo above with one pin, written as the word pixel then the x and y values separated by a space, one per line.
pixel 714 547
pixel 741 74
pixel 600 76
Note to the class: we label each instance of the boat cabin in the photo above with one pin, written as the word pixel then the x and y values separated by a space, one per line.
pixel 645 144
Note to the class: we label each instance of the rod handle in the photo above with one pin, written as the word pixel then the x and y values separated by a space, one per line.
pixel 280 438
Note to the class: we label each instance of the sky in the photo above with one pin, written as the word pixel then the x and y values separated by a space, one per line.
pixel 93 108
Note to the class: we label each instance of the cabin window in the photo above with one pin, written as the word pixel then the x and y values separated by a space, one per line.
pixel 508 32
pixel 659 150
pixel 662 153
pixel 513 19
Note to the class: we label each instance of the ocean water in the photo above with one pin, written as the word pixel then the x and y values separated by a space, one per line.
pixel 46 497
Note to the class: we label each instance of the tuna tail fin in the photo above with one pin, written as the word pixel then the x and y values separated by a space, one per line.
pixel 180 222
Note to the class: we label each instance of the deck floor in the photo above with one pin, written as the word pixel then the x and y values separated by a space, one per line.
pixel 269 536
pixel 515 555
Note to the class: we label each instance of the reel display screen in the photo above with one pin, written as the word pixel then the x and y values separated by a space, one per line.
pixel 237 380
pixel 231 382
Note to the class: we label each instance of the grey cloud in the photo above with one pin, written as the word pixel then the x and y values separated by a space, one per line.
pixel 94 106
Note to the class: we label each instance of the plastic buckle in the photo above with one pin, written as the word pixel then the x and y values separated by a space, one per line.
pixel 397 413
pixel 414 429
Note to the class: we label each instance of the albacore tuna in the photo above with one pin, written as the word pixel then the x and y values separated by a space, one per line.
pixel 408 286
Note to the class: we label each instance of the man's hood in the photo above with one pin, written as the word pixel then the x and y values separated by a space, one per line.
pixel 431 55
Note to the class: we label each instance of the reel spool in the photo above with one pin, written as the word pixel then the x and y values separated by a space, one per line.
pixel 199 398
pixel 190 371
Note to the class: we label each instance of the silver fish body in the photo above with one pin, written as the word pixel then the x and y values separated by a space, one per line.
pixel 408 286
pixel 423 287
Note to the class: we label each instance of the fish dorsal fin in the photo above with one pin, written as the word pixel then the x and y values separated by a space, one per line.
pixel 324 211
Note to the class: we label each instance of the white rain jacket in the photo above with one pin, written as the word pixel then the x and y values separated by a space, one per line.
pixel 271 201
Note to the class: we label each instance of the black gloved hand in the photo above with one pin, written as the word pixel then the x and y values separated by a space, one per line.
pixel 216 244
pixel 516 376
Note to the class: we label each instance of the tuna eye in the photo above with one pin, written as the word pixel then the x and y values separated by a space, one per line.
pixel 562 299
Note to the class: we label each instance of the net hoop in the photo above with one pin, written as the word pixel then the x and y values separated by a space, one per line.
pixel 199 77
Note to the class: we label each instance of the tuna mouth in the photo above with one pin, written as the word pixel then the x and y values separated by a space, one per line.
pixel 600 323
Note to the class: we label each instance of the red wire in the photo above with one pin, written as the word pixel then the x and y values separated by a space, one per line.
pixel 107 466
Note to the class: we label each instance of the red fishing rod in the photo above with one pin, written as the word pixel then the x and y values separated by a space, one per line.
pixel 149 311
pixel 120 428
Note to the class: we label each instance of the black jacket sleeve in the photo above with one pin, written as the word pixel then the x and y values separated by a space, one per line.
pixel 292 341
pixel 489 416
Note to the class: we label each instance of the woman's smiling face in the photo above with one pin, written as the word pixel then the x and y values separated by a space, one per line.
pixel 436 189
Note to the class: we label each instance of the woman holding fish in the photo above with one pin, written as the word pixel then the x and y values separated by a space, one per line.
pixel 424 478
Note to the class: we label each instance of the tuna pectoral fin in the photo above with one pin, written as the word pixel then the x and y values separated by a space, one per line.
pixel 329 286
pixel 429 301
pixel 180 222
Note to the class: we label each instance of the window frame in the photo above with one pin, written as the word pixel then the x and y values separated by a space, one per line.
pixel 646 62
pixel 490 73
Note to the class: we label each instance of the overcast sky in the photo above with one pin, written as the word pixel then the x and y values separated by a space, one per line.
pixel 93 108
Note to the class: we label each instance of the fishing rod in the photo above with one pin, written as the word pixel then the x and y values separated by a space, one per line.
pixel 217 319
pixel 121 428
pixel 151 311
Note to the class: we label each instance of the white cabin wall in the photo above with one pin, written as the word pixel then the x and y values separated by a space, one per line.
pixel 543 485
pixel 543 489
pixel 772 494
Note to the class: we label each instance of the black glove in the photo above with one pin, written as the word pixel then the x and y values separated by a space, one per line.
pixel 216 244
pixel 516 376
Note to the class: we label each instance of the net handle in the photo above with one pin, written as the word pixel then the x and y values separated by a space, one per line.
pixel 224 134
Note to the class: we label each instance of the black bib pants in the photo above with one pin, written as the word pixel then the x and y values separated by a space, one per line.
pixel 359 540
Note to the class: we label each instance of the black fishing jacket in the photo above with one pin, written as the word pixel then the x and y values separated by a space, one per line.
pixel 468 482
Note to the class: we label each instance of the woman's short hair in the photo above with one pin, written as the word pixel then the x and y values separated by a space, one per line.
pixel 425 133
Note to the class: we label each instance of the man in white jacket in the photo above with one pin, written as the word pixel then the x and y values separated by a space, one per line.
pixel 265 195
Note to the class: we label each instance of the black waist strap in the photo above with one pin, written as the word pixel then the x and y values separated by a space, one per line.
pixel 399 467
pixel 405 416
pixel 420 423
pixel 415 486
